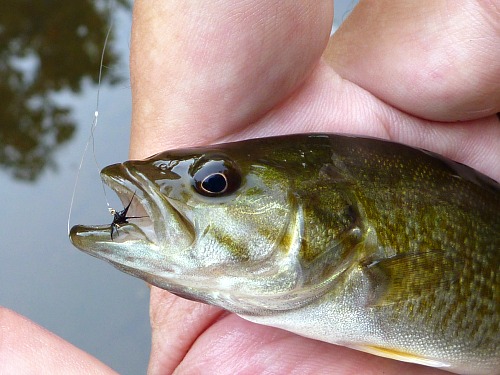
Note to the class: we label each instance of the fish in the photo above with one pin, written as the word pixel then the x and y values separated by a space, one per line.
pixel 350 240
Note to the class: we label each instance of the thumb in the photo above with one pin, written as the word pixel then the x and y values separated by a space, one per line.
pixel 202 70
pixel 437 60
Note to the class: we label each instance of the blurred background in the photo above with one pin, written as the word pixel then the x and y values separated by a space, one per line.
pixel 50 54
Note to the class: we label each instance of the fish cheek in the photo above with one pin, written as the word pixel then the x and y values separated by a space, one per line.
pixel 236 246
pixel 242 230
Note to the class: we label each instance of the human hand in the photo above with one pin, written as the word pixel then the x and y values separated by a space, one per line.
pixel 26 348
pixel 421 73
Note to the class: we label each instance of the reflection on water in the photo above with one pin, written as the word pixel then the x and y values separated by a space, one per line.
pixel 46 47
pixel 49 62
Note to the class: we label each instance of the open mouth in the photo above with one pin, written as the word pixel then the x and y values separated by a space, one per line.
pixel 135 219
pixel 147 211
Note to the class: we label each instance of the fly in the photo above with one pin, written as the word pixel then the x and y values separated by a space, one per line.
pixel 120 217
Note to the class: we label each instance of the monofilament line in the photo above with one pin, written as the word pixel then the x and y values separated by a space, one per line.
pixel 92 129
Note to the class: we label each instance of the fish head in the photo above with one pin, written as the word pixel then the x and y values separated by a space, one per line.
pixel 221 225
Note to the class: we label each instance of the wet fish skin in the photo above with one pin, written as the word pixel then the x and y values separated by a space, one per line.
pixel 350 240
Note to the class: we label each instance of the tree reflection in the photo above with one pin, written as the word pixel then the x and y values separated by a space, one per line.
pixel 46 46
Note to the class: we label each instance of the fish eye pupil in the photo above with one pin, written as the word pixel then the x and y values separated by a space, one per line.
pixel 215 177
pixel 216 183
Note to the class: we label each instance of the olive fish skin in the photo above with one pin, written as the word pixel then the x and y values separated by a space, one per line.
pixel 350 240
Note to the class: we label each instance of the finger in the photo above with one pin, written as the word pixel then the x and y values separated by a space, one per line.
pixel 438 60
pixel 176 324
pixel 192 68
pixel 195 67
pixel 328 103
pixel 236 346
pixel 202 69
pixel 26 348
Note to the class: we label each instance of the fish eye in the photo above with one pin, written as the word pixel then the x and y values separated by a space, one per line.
pixel 216 178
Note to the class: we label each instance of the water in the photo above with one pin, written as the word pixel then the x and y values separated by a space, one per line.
pixel 42 276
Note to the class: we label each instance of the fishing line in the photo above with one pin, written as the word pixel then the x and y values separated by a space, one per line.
pixel 90 138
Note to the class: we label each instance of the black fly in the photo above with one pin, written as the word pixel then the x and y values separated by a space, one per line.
pixel 120 217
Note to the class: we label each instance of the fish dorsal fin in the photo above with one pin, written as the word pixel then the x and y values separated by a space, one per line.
pixel 408 276
pixel 400 355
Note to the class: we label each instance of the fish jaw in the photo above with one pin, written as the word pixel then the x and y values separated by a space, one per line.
pixel 96 240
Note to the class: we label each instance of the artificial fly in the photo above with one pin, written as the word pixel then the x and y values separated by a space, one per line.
pixel 120 217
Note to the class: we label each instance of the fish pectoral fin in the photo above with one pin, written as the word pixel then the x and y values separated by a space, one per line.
pixel 400 355
pixel 407 276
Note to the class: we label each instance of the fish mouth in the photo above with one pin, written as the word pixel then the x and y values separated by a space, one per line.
pixel 139 205
pixel 151 221
pixel 150 211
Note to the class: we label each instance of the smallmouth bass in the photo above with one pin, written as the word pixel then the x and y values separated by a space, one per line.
pixel 355 241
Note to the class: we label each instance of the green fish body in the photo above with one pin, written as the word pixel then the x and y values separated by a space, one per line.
pixel 354 241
